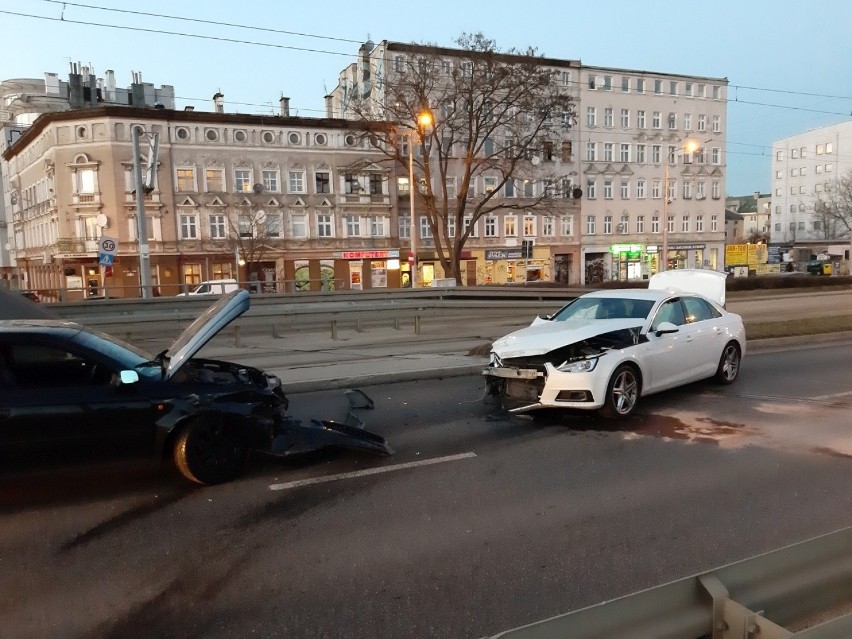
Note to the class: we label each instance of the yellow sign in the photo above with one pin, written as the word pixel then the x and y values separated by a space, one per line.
pixel 736 255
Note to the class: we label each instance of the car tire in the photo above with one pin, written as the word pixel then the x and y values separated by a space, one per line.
pixel 209 451
pixel 622 393
pixel 729 364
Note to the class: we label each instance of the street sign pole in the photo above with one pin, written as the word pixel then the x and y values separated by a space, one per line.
pixel 141 227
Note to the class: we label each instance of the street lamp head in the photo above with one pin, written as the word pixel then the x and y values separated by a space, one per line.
pixel 691 146
pixel 424 119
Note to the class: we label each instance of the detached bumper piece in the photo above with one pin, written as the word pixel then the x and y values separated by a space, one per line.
pixel 298 436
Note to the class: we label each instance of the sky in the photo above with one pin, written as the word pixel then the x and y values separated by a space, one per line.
pixel 789 64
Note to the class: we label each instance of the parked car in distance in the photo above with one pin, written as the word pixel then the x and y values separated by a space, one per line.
pixel 69 394
pixel 606 349
pixel 213 287
pixel 31 295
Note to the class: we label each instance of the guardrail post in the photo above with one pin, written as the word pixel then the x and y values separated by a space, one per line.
pixel 237 336
pixel 396 322
pixel 333 329
pixel 357 326
pixel 417 325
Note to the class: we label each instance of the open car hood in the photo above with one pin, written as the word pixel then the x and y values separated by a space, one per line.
pixel 710 284
pixel 545 336
pixel 228 308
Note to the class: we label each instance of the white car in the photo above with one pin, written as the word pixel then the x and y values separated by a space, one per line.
pixel 606 349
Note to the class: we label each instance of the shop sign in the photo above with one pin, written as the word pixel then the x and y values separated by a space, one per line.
pixel 369 255
pixel 505 254
pixel 686 247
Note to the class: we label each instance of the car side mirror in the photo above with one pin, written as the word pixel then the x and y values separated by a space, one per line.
pixel 540 319
pixel 128 377
pixel 665 328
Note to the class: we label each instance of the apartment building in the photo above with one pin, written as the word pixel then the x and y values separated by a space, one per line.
pixel 645 154
pixel 804 168
pixel 286 203
pixel 22 100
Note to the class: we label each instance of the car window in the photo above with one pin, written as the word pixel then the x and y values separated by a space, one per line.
pixel 42 366
pixel 604 308
pixel 698 309
pixel 669 311
pixel 201 290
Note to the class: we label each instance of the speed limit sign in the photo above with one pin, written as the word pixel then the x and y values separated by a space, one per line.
pixel 107 247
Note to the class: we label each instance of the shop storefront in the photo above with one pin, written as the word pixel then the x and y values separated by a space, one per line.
pixel 510 266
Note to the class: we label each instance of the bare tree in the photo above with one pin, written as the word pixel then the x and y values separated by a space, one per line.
pixel 495 116
pixel 253 235
pixel 833 208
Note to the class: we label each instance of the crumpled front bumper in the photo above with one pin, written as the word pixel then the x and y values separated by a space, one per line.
pixel 293 435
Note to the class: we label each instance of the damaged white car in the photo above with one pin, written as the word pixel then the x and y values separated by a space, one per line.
pixel 606 349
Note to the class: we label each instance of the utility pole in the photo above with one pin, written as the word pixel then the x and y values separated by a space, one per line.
pixel 143 186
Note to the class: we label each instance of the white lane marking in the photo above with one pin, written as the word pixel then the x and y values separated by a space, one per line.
pixel 369 471
pixel 833 395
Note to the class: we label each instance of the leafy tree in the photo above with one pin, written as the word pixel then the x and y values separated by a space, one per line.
pixel 833 208
pixel 494 114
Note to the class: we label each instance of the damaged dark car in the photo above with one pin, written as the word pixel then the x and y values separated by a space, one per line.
pixel 69 393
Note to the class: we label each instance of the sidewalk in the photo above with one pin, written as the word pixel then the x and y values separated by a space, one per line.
pixel 308 361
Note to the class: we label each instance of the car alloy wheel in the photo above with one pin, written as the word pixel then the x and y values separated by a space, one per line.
pixel 729 364
pixel 208 451
pixel 622 392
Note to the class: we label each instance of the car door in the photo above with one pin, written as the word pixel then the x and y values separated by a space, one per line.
pixel 63 403
pixel 707 325
pixel 668 356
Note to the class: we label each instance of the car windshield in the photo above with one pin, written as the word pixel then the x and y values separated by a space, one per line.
pixel 585 308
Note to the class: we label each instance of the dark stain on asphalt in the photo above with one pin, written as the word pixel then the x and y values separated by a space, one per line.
pixel 122 519
pixel 706 429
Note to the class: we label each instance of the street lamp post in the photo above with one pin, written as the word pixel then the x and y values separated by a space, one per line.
pixel 424 119
pixel 689 147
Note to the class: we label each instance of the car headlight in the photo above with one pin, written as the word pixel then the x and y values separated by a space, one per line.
pixel 272 381
pixel 579 366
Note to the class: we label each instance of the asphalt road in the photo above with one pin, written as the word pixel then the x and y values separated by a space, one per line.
pixel 479 523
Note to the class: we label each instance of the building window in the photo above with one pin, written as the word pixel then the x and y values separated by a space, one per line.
pixel 687 121
pixel 702 122
pixel 376 182
pixel 404 227
pixel 672 120
pixel 625 152
pixel 625 84
pixel 673 87
pixel 547 227
pixel 377 226
pixel 215 180
pixel 640 119
pixel 325 225
pixel 299 226
pixel 590 225
pixel 297 182
pixel 218 230
pixel 567 226
pixel 717 124
pixel 714 223
pixel 593 81
pixel 640 188
pixel 607 189
pixel 655 224
pixel 625 118
pixel 656 120
pixel 189 227
pixel 699 190
pixel 607 83
pixel 655 189
pixel 322 180
pixel 242 180
pixel 529 226
pixel 490 226
pixel 640 224
pixel 591 189
pixel 684 224
pixel 687 190
pixel 510 226
pixel 185 180
pixel 609 151
pixel 270 180
pixel 350 184
pixel 509 188
pixel 273 225
pixel 591 116
pixel 715 191
pixel 425 229
pixel 699 224
pixel 640 153
pixel 625 189
pixel 607 225
pixel 353 225
pixel 489 183
pixel 591 151
pixel 640 85
pixel 608 117
pixel 245 227
pixel 716 155
pixel 656 153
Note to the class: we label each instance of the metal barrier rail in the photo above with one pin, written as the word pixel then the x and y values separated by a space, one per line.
pixel 748 599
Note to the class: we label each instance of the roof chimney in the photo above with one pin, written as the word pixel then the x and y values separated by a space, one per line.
pixel 329 106
pixel 219 102
pixel 284 106
pixel 189 108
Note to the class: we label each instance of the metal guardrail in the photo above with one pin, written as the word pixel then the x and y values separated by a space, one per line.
pixel 750 599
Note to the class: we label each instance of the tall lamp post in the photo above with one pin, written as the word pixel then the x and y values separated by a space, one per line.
pixel 690 147
pixel 424 120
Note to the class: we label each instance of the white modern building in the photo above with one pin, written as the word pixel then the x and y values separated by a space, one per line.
pixel 803 165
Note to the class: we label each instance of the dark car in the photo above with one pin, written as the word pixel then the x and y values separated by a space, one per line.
pixel 68 393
